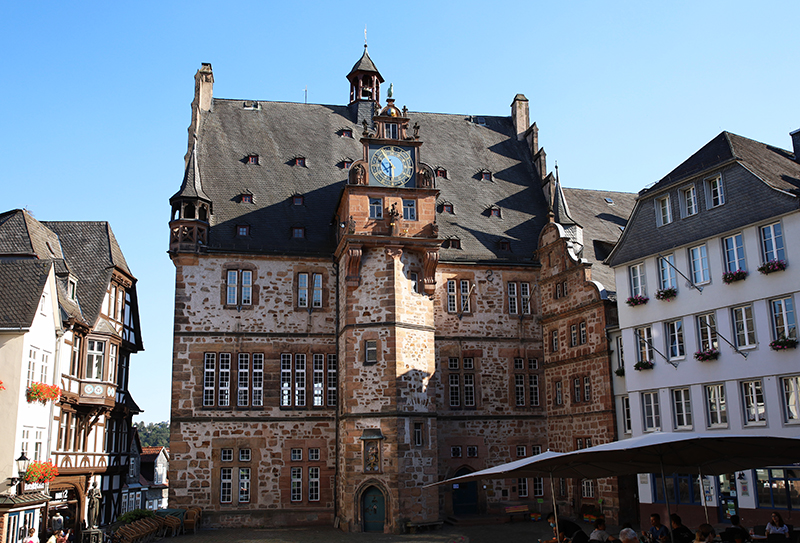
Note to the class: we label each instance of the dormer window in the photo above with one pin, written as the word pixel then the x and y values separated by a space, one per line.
pixel 452 243
pixel 300 161
pixel 505 245
pixel 346 163
pixel 242 231
pixel 441 172
pixel 298 232
pixel 447 208
pixel 391 131
pixel 298 200
pixel 346 133
pixel 251 105
pixel 72 288
pixel 246 198
pixel 252 159
pixel 494 212
pixel 486 175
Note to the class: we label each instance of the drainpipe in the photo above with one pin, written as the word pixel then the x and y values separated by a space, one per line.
pixel 338 400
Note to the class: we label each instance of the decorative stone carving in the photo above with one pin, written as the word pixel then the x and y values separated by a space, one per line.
pixel 429 262
pixel 353 278
pixel 358 175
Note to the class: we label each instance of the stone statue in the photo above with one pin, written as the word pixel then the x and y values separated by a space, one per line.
pixel 390 93
pixel 359 175
pixel 94 495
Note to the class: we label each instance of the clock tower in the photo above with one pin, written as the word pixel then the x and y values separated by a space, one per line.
pixel 387 253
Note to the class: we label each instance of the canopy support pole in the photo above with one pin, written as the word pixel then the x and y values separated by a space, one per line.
pixel 666 499
pixel 555 507
pixel 703 492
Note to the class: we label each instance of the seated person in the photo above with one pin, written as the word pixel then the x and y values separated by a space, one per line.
pixel 740 533
pixel 707 533
pixel 566 531
pixel 776 525
pixel 680 533
pixel 599 533
pixel 657 533
pixel 628 535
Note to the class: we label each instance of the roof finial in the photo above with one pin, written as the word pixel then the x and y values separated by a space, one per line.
pixel 365 36
pixel 556 171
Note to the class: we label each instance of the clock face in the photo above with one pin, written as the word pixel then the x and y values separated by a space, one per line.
pixel 391 166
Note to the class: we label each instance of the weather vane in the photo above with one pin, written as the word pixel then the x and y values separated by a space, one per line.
pixel 365 36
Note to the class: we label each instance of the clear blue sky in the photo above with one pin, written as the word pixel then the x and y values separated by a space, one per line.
pixel 96 96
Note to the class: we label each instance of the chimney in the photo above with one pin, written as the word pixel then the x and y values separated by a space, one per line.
pixel 203 93
pixel 519 115
pixel 796 144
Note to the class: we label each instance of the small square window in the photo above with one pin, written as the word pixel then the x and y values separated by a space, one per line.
pixel 447 208
pixel 371 351
pixel 505 246
pixel 375 208
pixel 409 210
pixel 252 159
pixel 346 164
pixel 313 455
pixel 521 451
pixel 347 133
pixel 298 232
pixel 226 455
pixel 472 451
pixel 453 243
pixel 495 212
pixel 72 288
pixel 452 363
pixel 519 364
pixel 533 363
pixel 714 194
pixel 455 452
pixel 300 161
pixel 244 455
pixel 469 363
pixel 297 455
pixel 246 198
pixel 298 200
pixel 242 231
pixel 486 176
pixel 663 211
pixel 441 172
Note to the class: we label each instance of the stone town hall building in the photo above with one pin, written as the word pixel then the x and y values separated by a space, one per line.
pixel 358 312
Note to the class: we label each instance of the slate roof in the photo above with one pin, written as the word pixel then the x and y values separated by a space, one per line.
pixel 759 182
pixel 191 187
pixel 21 234
pixel 601 222
pixel 280 131
pixel 365 64
pixel 21 286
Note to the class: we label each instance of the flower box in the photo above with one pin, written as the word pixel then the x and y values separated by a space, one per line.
pixel 666 294
pixel 772 266
pixel 40 392
pixel 707 355
pixel 783 343
pixel 40 472
pixel 733 276
pixel 637 300
pixel 620 372
pixel 639 366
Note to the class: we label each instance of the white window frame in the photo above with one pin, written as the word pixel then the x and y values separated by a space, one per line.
pixel 716 406
pixel 582 332
pixel 375 208
pixel 243 380
pixel 733 253
pixel 791 398
pixel 409 210
pixel 627 422
pixel 587 388
pixel 637 279
pixel 651 412
pixel 554 341
pixel 332 380
pixel 258 380
pixel 296 489
pixel 754 407
pixel 533 386
pixel 744 330
pixel 576 390
pixel 707 331
pixel 317 379
pixel 95 359
pixel 688 201
pixel 313 483
pixel 224 381
pixel 559 393
pixel 666 273
pixel 452 299
pixel 772 246
pixel 663 210
pixel 715 193
pixel 784 319
pixel 519 296
pixel 209 379
pixel 226 485
pixel 676 348
pixel 519 390
pixel 244 485
pixel 644 341
pixel 371 351
pixel 522 487
pixel 698 263
pixel 587 488
pixel 682 408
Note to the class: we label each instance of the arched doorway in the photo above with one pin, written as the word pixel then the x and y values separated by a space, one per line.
pixel 465 495
pixel 373 509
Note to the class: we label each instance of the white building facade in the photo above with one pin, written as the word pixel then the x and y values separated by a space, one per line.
pixel 708 342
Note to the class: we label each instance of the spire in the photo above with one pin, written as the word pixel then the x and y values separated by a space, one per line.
pixel 560 207
pixel 191 186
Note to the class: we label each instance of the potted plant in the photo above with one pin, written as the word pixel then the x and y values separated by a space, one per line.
pixel 620 372
pixel 772 266
pixel 733 276
pixel 706 355
pixel 40 472
pixel 783 343
pixel 40 392
pixel 643 365
pixel 639 299
pixel 666 294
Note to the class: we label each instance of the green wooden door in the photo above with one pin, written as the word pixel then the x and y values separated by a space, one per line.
pixel 373 507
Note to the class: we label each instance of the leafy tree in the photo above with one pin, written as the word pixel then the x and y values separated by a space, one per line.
pixel 153 434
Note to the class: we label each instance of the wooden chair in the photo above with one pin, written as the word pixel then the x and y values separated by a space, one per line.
pixel 190 521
